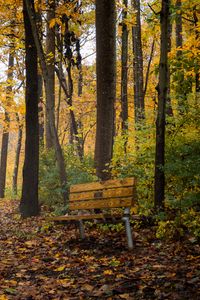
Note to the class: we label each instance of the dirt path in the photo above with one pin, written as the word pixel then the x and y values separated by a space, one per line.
pixel 42 261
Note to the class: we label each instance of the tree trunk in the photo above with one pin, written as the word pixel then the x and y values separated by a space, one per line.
pixel 60 47
pixel 181 93
pixel 169 110
pixel 148 66
pixel 41 110
pixel 159 185
pixel 80 91
pixel 17 157
pixel 54 134
pixel 40 79
pixel 106 84
pixel 197 72
pixel 5 136
pixel 124 73
pixel 74 126
pixel 29 205
pixel 69 39
pixel 50 88
pixel 139 107
pixel 4 156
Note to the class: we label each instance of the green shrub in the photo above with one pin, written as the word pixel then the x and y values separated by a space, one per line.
pixel 191 220
pixel 50 191
pixel 137 162
pixel 170 229
pixel 187 222
pixel 183 161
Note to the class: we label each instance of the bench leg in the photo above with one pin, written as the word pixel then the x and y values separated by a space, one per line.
pixel 81 229
pixel 128 228
pixel 128 233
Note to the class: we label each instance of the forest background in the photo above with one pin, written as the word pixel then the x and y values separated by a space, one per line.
pixel 64 29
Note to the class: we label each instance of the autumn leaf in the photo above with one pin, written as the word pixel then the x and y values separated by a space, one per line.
pixel 60 269
pixel 108 272
pixel 3 297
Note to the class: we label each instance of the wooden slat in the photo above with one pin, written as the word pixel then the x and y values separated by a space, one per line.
pixel 84 217
pixel 108 193
pixel 101 203
pixel 92 186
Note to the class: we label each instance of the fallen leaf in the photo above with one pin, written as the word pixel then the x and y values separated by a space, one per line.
pixel 60 269
pixel 126 296
pixel 108 272
pixel 87 287
pixel 3 297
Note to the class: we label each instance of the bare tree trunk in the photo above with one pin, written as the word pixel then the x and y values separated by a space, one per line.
pixel 169 110
pixel 106 85
pixel 50 88
pixel 5 136
pixel 124 73
pixel 60 47
pixel 29 205
pixel 148 67
pixel 4 155
pixel 159 186
pixel 80 91
pixel 17 156
pixel 56 143
pixel 74 127
pixel 41 109
pixel 69 37
pixel 139 107
pixel 38 16
pixel 197 72
pixel 181 92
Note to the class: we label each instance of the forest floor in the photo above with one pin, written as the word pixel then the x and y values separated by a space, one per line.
pixel 40 260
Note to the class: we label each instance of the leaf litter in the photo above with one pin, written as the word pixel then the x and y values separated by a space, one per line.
pixel 42 260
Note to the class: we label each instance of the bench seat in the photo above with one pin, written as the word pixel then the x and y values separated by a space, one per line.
pixel 109 195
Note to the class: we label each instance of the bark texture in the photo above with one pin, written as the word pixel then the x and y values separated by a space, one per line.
pixel 197 69
pixel 159 185
pixel 45 73
pixel 17 157
pixel 5 135
pixel 4 155
pixel 181 91
pixel 50 90
pixel 149 66
pixel 138 66
pixel 124 70
pixel 169 110
pixel 29 205
pixel 106 84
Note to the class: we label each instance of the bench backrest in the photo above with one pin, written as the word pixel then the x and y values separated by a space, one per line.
pixel 105 194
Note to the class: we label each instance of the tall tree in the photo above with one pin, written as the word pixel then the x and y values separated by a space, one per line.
pixel 159 185
pixel 124 71
pixel 197 34
pixel 169 110
pixel 41 109
pixel 106 84
pixel 50 56
pixel 148 66
pixel 139 107
pixel 5 135
pixel 40 78
pixel 80 91
pixel 180 89
pixel 29 205
pixel 17 155
pixel 51 116
pixel 71 41
pixel 4 155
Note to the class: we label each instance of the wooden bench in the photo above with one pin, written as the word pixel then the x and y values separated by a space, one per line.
pixel 108 195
